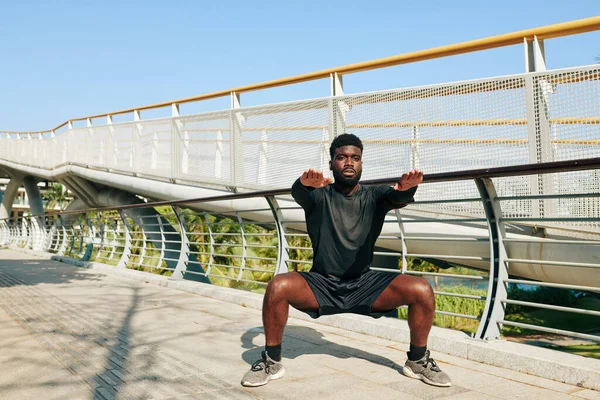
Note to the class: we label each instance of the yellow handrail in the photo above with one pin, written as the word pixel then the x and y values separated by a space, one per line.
pixel 508 39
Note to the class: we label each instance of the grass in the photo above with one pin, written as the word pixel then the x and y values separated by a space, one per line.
pixel 558 320
pixel 555 319
pixel 458 305
pixel 534 316
pixel 585 350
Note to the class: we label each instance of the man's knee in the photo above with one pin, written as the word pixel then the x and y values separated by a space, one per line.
pixel 279 286
pixel 423 291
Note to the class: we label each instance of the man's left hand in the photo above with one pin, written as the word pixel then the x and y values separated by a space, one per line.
pixel 409 180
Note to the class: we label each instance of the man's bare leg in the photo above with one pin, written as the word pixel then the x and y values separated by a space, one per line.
pixel 284 290
pixel 417 294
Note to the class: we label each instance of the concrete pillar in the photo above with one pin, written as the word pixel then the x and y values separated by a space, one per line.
pixel 83 189
pixel 36 206
pixel 9 197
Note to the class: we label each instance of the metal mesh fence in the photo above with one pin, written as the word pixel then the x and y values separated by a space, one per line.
pixel 124 147
pixel 280 142
pixel 204 147
pixel 537 117
pixel 154 147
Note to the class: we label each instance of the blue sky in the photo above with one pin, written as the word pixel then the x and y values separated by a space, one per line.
pixel 69 59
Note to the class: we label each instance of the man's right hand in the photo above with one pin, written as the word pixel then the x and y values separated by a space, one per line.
pixel 315 179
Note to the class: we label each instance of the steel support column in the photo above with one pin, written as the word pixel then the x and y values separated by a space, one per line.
pixel 244 244
pixel 212 245
pixel 184 253
pixel 403 240
pixel 489 328
pixel 126 242
pixel 282 245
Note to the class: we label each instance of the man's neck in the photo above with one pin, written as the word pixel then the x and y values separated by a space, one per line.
pixel 345 189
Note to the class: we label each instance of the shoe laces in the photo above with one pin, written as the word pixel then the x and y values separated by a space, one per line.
pixel 429 363
pixel 263 364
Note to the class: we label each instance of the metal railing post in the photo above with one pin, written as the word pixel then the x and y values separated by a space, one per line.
pixel 403 240
pixel 163 243
pixel 282 245
pixel 26 235
pixel 212 245
pixel 111 242
pixel 142 257
pixel 49 231
pixel 65 237
pixel 263 158
pixel 184 252
pixel 338 108
pixel 219 155
pixel 176 164
pixel 103 238
pixel 4 232
pixel 126 242
pixel 489 328
pixel 91 238
pixel 34 233
pixel 244 244
pixel 136 159
pixel 236 154
pixel 13 232
pixel 111 159
pixel 72 237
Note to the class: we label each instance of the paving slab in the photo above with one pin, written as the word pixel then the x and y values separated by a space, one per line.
pixel 82 333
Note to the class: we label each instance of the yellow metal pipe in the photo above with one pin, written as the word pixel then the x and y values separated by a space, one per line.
pixel 544 32
pixel 397 124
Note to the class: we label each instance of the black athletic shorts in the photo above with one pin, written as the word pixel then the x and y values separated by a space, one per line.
pixel 336 296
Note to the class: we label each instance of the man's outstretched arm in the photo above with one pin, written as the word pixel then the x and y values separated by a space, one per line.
pixel 404 189
pixel 303 188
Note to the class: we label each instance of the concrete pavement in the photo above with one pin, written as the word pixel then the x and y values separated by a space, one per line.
pixel 75 333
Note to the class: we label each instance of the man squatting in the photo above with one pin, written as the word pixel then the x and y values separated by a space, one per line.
pixel 344 220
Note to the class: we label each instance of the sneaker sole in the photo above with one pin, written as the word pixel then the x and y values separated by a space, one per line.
pixel 273 377
pixel 408 372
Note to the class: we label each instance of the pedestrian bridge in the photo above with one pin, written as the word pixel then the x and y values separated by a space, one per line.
pixel 511 197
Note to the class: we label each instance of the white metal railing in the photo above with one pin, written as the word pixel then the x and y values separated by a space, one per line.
pixel 230 249
pixel 525 118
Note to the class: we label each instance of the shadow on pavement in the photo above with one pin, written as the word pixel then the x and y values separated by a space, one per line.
pixel 309 341
pixel 33 271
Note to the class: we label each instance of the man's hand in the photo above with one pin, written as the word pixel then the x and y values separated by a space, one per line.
pixel 315 179
pixel 409 180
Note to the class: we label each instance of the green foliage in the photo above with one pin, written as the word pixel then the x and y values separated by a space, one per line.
pixel 459 305
pixel 542 294
pixel 55 195
pixel 585 350
pixel 555 319
pixel 223 260
pixel 417 264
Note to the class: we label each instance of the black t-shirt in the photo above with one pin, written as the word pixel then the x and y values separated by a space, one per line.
pixel 344 229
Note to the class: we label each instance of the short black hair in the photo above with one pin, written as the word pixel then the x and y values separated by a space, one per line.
pixel 346 139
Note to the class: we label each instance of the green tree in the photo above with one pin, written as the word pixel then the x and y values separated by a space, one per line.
pixel 55 196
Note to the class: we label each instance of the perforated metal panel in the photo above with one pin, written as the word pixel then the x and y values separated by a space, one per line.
pixel 536 117
pixel 280 142
pixel 204 148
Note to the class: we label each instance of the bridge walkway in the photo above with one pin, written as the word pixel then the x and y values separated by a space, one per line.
pixel 75 333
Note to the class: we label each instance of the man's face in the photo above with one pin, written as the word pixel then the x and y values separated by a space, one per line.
pixel 347 165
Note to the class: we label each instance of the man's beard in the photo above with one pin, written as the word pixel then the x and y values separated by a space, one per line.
pixel 341 179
